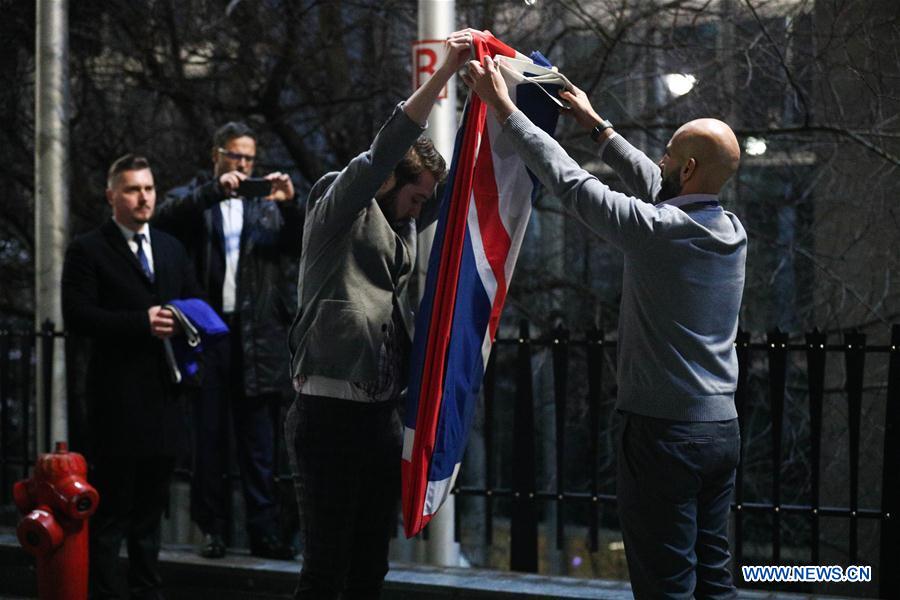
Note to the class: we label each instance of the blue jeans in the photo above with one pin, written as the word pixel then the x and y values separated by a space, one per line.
pixel 674 486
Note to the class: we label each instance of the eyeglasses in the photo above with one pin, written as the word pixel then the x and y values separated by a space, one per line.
pixel 236 156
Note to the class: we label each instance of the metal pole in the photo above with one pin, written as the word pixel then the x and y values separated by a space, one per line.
pixel 51 200
pixel 437 20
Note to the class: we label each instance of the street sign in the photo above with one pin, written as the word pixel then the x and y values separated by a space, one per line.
pixel 425 57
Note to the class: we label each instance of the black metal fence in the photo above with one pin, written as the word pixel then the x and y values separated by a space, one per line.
pixel 590 385
pixel 597 354
pixel 17 406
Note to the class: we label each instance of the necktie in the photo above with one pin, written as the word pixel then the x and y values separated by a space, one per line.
pixel 142 258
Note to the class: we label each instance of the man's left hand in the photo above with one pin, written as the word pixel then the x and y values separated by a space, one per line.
pixel 282 187
pixel 581 109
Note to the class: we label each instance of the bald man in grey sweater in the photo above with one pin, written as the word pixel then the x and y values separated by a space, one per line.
pixel 677 371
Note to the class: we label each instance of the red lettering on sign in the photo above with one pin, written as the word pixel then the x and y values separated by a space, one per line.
pixel 425 62
pixel 428 65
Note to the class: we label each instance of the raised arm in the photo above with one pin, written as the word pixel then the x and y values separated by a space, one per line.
pixel 640 174
pixel 456 50
pixel 621 219
pixel 356 185
pixel 353 188
pixel 181 213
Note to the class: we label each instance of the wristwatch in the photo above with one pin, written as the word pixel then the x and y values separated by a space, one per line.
pixel 597 131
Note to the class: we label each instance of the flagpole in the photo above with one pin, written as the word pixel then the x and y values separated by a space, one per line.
pixel 437 20
pixel 51 202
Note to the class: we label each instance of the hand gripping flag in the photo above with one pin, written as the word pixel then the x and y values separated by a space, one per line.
pixel 480 228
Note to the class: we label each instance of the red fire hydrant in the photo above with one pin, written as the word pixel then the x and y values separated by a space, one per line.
pixel 57 501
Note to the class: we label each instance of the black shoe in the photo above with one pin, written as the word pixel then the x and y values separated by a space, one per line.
pixel 213 546
pixel 269 546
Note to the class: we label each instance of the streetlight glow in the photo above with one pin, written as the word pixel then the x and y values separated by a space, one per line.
pixel 679 83
pixel 755 146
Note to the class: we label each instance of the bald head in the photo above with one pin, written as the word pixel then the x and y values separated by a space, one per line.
pixel 700 158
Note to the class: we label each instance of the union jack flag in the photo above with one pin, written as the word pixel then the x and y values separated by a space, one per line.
pixel 483 215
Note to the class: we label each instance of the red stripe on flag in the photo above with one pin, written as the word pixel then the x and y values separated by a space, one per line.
pixel 494 236
pixel 415 473
pixel 439 327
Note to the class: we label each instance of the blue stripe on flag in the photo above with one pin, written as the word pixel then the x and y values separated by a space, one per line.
pixel 465 368
pixel 423 318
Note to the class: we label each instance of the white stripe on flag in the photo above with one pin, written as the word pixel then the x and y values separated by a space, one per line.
pixel 514 189
pixel 486 348
pixel 437 492
pixel 485 273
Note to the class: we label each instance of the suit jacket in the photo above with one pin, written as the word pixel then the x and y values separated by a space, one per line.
pixel 132 406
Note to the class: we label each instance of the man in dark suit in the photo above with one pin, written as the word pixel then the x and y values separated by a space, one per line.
pixel 244 245
pixel 115 280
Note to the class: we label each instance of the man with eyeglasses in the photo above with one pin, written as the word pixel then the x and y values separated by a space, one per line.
pixel 243 247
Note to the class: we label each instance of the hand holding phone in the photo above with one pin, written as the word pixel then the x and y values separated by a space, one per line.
pixel 254 187
pixel 282 187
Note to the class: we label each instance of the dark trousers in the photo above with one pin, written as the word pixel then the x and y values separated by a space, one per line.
pixel 674 486
pixel 133 495
pixel 221 403
pixel 346 461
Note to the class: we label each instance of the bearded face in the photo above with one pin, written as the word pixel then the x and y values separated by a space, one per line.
pixel 400 204
pixel 671 184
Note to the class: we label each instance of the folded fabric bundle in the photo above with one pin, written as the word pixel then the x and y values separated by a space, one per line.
pixel 201 327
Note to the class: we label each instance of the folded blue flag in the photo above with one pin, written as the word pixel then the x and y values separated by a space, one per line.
pixel 201 326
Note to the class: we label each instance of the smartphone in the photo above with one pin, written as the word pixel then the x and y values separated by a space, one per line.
pixel 255 187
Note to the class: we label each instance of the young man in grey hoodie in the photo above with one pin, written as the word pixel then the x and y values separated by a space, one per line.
pixel 350 345
pixel 677 366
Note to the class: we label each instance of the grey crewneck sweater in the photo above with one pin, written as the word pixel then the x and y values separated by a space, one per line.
pixel 683 280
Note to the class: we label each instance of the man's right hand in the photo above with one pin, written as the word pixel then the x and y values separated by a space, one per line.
pixel 581 110
pixel 230 181
pixel 162 322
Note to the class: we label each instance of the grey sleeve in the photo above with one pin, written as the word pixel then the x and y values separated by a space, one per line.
pixel 354 187
pixel 640 174
pixel 621 219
